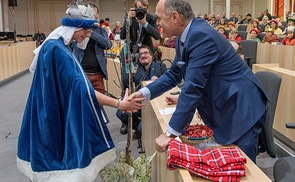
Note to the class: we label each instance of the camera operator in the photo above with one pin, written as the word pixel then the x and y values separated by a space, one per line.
pixel 141 23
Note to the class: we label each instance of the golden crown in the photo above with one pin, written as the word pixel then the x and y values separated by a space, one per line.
pixel 268 29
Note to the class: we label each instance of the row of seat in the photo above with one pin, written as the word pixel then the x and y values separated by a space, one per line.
pixel 244 27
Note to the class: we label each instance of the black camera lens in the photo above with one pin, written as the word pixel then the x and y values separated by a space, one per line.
pixel 140 13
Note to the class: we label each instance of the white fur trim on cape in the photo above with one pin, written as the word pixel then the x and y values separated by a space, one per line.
pixel 86 174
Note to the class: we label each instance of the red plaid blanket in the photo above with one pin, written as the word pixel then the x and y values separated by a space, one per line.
pixel 216 164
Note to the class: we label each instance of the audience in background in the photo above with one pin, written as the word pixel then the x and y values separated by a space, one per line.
pixel 256 25
pixel 288 15
pixel 234 35
pixel 221 30
pixel 289 39
pixel 266 13
pixel 275 27
pixel 39 37
pixel 253 34
pixel 205 17
pixel 109 32
pixel 117 28
pixel 217 19
pixel 222 23
pixel 265 20
pixel 213 22
pixel 249 19
pixel 260 17
pixel 270 37
pixel 240 20
pixel 291 22
pixel 231 25
pixel 233 18
pixel 223 15
pixel 118 45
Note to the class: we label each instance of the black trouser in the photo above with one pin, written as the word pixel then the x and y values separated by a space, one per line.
pixel 136 118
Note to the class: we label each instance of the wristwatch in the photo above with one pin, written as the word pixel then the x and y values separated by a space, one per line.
pixel 168 134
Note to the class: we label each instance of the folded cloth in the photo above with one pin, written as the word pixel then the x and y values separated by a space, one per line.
pixel 217 164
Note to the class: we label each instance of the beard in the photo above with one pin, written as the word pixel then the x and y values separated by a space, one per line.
pixel 144 63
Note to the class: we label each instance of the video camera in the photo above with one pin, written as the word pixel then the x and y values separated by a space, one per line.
pixel 140 13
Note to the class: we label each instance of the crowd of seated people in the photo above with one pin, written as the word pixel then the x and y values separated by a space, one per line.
pixel 229 28
pixel 269 30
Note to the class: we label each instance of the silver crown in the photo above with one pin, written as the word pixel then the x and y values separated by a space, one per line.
pixel 80 11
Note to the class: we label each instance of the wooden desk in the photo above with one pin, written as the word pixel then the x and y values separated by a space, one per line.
pixel 113 69
pixel 15 58
pixel 282 54
pixel 286 100
pixel 154 124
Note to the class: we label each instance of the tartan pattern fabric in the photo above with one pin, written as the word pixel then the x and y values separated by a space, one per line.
pixel 216 164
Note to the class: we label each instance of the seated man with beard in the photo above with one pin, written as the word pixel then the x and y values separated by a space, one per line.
pixel 147 69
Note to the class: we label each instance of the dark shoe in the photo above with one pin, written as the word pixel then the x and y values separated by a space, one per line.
pixel 123 129
pixel 136 135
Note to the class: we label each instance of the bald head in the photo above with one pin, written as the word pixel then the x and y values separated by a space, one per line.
pixel 173 16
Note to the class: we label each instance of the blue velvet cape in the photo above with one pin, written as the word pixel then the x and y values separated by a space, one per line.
pixel 62 126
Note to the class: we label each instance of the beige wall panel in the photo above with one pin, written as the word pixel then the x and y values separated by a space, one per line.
pixel 43 16
pixel 59 12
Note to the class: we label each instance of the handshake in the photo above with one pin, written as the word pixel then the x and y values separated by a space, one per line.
pixel 131 103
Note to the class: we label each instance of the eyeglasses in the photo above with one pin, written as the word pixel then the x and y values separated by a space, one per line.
pixel 88 30
pixel 142 53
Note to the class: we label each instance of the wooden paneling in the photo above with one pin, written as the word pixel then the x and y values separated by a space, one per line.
pixel 15 57
pixel 43 14
pixel 59 9
pixel 271 53
pixel 114 77
pixel 49 14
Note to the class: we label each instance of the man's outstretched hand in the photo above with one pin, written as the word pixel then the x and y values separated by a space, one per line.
pixel 131 104
pixel 134 95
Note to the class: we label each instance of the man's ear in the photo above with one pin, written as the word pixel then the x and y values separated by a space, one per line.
pixel 175 16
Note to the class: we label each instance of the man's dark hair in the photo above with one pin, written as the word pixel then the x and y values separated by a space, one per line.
pixel 183 8
pixel 147 47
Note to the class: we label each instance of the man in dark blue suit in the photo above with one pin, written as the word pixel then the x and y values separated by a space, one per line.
pixel 147 69
pixel 218 82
